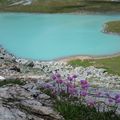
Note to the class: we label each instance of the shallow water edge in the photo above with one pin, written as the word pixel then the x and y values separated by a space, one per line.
pixel 69 58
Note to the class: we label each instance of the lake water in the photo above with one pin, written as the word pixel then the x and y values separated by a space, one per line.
pixel 51 36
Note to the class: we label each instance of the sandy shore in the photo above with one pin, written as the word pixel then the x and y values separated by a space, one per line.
pixel 86 57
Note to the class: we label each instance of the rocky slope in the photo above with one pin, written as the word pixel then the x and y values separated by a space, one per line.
pixel 12 67
pixel 22 102
pixel 27 102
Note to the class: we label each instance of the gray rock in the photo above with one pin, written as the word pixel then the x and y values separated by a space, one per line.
pixel 2 78
pixel 35 107
pixel 21 61
pixel 17 103
pixel 30 64
pixel 4 93
pixel 15 68
pixel 11 114
pixel 43 96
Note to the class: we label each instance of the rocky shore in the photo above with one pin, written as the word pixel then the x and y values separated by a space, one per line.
pixel 27 102
pixel 23 102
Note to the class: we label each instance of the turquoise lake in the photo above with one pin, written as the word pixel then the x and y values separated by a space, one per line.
pixel 52 36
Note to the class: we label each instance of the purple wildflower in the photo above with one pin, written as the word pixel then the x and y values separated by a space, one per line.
pixel 83 82
pixel 110 100
pixel 53 77
pixel 91 103
pixel 59 81
pixel 70 85
pixel 83 93
pixel 98 94
pixel 58 75
pixel 117 98
pixel 47 86
pixel 69 78
pixel 85 86
pixel 72 91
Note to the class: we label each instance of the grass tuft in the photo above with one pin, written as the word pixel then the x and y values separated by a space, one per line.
pixel 6 82
pixel 112 65
pixel 81 112
pixel 113 27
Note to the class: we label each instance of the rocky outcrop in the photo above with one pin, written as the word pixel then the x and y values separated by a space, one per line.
pixel 5 55
pixel 26 103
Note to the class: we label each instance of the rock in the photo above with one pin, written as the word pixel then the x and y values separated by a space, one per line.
pixel 1 57
pixel 11 114
pixel 35 107
pixel 15 114
pixel 30 64
pixel 20 2
pixel 4 93
pixel 43 96
pixel 18 103
pixel 5 55
pixel 21 61
pixel 19 93
pixel 15 68
pixel 32 89
pixel 2 78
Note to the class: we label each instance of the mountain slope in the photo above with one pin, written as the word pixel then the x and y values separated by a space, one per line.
pixel 60 6
pixel 15 2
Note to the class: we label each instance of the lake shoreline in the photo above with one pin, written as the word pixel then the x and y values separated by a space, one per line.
pixel 81 12
pixel 86 57
pixel 67 58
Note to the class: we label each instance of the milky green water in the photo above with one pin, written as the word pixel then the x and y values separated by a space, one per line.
pixel 51 36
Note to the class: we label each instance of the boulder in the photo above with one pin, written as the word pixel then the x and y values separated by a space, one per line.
pixel 18 103
pixel 35 107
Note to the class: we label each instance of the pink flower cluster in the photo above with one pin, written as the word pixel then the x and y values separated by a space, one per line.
pixel 61 85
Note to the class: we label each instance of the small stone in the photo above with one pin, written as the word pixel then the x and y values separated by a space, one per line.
pixel 30 64
pixel 2 78
pixel 15 68
pixel 43 96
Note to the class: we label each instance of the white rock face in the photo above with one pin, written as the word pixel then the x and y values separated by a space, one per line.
pixel 20 2
pixel 2 78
